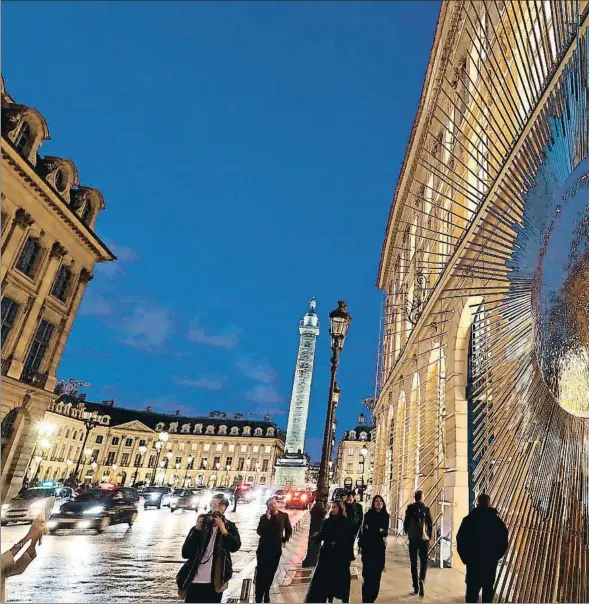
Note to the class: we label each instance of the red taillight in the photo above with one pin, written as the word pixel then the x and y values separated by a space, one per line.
pixel 288 497
pixel 303 498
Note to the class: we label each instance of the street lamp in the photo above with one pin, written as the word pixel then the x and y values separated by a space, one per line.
pixel 142 452
pixel 94 465
pixel 227 468
pixel 364 453
pixel 257 471
pixel 159 445
pixel 90 422
pixel 340 320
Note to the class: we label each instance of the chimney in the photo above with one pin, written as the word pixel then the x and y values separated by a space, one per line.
pixel 149 409
pixel 361 418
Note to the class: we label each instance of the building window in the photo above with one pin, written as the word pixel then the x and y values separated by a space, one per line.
pixel 137 459
pixel 142 443
pixel 99 439
pixel 265 465
pixel 235 431
pixel 207 447
pixel 181 446
pixel 125 459
pixel 87 213
pixel 128 442
pixel 349 467
pixel 81 436
pixel 39 346
pixel 267 449
pixel 240 464
pixel 194 446
pixel 62 283
pixel 216 461
pixel 110 458
pixel 350 452
pixel 152 461
pixel 229 462
pixel 23 138
pixel 256 449
pixel 115 440
pixel 60 181
pixel 219 446
pixel 179 460
pixel 9 312
pixel 29 257
pixel 95 454
pixel 243 448
pixel 231 448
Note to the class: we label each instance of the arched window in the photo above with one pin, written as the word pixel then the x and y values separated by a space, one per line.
pixel 258 432
pixel 87 213
pixel 235 431
pixel 60 181
pixel 67 433
pixel 75 435
pixel 270 432
pixel 247 431
pixel 23 138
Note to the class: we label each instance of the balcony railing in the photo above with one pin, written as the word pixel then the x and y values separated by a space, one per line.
pixel 34 378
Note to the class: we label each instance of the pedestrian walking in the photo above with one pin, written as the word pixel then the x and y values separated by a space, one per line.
pixel 372 545
pixel 275 531
pixel 354 512
pixel 10 566
pixel 331 578
pixel 482 541
pixel 418 528
pixel 208 548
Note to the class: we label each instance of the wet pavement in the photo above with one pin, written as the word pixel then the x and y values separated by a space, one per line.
pixel 123 564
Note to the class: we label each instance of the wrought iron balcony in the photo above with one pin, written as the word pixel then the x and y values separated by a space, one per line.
pixel 34 378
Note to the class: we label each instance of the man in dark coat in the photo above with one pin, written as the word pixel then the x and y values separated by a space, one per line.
pixel 482 541
pixel 208 547
pixel 355 514
pixel 418 527
pixel 275 531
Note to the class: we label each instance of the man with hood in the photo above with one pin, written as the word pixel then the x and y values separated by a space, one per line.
pixel 481 541
pixel 418 528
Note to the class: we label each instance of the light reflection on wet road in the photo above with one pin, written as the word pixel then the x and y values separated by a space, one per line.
pixel 137 564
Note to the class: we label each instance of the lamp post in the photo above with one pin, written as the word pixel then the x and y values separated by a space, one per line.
pixel 142 452
pixel 363 453
pixel 94 465
pixel 163 471
pixel 159 445
pixel 90 422
pixel 330 472
pixel 189 461
pixel 44 432
pixel 227 468
pixel 257 473
pixel 38 459
pixel 340 320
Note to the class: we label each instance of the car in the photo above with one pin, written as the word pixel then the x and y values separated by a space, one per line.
pixel 244 492
pixel 97 509
pixel 280 494
pixel 229 494
pixel 29 504
pixel 189 499
pixel 155 497
pixel 297 499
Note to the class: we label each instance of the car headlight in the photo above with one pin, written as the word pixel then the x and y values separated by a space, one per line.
pixel 95 510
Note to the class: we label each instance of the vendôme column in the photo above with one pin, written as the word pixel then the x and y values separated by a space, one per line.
pixel 291 467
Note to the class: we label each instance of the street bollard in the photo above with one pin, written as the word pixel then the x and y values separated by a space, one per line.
pixel 246 590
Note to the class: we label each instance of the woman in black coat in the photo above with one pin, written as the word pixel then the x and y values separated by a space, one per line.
pixel 372 545
pixel 331 578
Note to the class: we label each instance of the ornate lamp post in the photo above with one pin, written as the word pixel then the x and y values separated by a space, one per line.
pixel 90 422
pixel 94 465
pixel 159 445
pixel 340 320
pixel 86 453
pixel 363 453
pixel 142 452
pixel 189 461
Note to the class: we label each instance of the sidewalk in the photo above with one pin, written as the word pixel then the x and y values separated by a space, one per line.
pixel 442 585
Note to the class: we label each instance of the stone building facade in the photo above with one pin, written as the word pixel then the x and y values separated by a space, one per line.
pixel 352 469
pixel 49 249
pixel 500 134
pixel 216 450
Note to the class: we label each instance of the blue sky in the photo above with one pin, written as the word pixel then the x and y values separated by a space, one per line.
pixel 247 153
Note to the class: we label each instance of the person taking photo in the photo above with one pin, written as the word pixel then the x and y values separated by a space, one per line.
pixel 208 548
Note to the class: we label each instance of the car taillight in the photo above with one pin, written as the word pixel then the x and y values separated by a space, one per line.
pixel 289 497
pixel 303 498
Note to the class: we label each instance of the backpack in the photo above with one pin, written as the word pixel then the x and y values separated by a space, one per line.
pixel 418 525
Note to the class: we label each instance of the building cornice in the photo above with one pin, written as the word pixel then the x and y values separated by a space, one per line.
pixel 55 202
pixel 447 28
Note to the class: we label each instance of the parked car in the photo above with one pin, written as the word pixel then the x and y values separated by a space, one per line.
pixel 29 504
pixel 244 492
pixel 97 509
pixel 155 497
pixel 280 494
pixel 190 499
pixel 298 500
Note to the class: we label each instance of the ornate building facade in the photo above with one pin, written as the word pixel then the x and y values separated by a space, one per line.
pixel 485 355
pixel 127 447
pixel 49 249
pixel 355 457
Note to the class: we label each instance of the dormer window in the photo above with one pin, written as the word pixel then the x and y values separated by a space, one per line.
pixel 247 431
pixel 258 432
pixel 60 181
pixel 210 429
pixel 352 435
pixel 363 435
pixel 23 138
pixel 270 432
pixel 235 431
pixel 87 214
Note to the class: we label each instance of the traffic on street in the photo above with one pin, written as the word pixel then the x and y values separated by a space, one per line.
pixel 118 562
